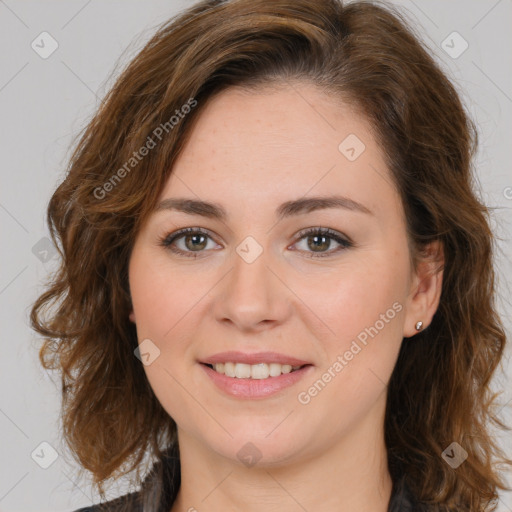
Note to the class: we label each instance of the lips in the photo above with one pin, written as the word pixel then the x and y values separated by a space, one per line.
pixel 253 359
pixel 253 389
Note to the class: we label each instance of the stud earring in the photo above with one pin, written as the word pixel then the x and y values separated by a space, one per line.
pixel 419 326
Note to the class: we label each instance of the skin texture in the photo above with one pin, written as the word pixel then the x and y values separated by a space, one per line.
pixel 251 151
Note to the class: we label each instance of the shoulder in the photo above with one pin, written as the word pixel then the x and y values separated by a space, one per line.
pixel 158 491
pixel 403 500
pixel 127 503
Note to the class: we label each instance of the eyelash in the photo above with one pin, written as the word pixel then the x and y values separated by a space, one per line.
pixel 345 243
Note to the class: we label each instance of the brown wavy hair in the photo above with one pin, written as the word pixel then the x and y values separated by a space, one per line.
pixel 362 53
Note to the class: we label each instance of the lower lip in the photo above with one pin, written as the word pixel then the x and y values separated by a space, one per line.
pixel 255 388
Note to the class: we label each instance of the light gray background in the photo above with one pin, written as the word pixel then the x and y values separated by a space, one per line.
pixel 45 102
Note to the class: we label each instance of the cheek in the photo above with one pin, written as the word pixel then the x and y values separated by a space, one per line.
pixel 161 297
pixel 356 296
pixel 160 305
pixel 164 302
pixel 358 361
pixel 363 306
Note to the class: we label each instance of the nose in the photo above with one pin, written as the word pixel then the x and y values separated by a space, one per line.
pixel 253 295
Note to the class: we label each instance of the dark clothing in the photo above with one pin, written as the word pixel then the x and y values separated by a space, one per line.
pixel 402 499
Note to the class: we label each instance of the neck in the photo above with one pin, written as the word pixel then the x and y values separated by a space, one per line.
pixel 350 476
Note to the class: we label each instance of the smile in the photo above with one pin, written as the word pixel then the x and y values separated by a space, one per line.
pixel 242 385
pixel 253 371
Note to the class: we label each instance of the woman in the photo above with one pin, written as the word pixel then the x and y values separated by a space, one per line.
pixel 277 280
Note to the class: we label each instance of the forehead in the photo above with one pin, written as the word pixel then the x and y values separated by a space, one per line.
pixel 258 146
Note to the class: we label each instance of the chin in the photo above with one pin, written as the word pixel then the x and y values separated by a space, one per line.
pixel 253 447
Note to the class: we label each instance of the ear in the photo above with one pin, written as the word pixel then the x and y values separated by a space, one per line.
pixel 425 291
pixel 131 316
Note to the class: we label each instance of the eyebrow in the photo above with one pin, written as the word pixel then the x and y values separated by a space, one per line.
pixel 286 209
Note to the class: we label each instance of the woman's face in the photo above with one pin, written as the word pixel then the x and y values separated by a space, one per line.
pixel 256 283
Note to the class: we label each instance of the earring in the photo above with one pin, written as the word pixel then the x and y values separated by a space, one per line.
pixel 419 326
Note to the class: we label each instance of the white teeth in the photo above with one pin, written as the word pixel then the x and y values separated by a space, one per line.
pixel 229 369
pixel 275 369
pixel 242 371
pixel 260 371
pixel 253 371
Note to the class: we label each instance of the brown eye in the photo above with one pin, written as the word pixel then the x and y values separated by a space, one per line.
pixel 195 240
pixel 319 240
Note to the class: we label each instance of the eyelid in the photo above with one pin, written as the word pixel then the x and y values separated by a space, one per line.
pixel 324 231
pixel 343 240
pixel 169 238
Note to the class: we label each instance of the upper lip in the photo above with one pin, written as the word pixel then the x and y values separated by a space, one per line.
pixel 255 358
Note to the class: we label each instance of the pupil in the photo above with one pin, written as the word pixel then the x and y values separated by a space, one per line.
pixel 194 237
pixel 324 243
